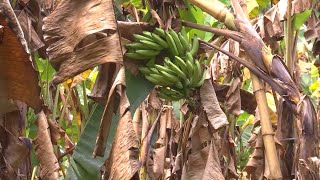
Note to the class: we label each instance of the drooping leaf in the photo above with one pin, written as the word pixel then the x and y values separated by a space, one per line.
pixel 123 160
pixel 76 47
pixel 44 149
pixel 216 116
pixel 18 78
pixel 82 164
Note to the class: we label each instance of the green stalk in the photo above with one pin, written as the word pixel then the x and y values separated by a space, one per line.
pixel 47 85
pixel 55 105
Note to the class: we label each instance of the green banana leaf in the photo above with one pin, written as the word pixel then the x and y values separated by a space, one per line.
pixel 82 163
pixel 137 89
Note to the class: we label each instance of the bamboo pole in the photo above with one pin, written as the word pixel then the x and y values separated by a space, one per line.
pixel 266 128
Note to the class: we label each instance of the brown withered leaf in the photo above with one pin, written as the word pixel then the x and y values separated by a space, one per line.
pixel 316 47
pixel 153 100
pixel 111 105
pixel 103 83
pixel 313 27
pixel 56 133
pixel 203 164
pixel 307 129
pixel 49 165
pixel 285 134
pixel 13 152
pixel 269 25
pixel 120 165
pixel 30 33
pixel 18 78
pixel 233 99
pixel 248 102
pixel 216 116
pixel 159 156
pixel 76 47
pixel 255 165
pixel 301 5
pixel 128 29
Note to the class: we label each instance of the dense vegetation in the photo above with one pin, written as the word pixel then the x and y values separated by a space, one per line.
pixel 154 89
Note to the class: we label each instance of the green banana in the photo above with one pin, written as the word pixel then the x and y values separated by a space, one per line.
pixel 201 59
pixel 166 97
pixel 148 52
pixel 172 45
pixel 171 92
pixel 196 74
pixel 203 77
pixel 139 37
pixel 162 81
pixel 197 63
pixel 156 81
pixel 179 85
pixel 163 68
pixel 189 68
pixel 195 46
pixel 184 34
pixel 147 34
pixel 186 83
pixel 170 77
pixel 176 40
pixel 189 57
pixel 151 45
pixel 134 55
pixel 135 45
pixel 160 32
pixel 145 71
pixel 159 40
pixel 181 64
pixel 154 70
pixel 151 61
pixel 152 79
pixel 184 42
pixel 176 69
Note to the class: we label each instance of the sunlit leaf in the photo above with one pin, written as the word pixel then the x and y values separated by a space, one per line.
pixel 196 15
pixel 300 18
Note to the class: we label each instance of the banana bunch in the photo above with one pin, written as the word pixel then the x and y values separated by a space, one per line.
pixel 179 73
